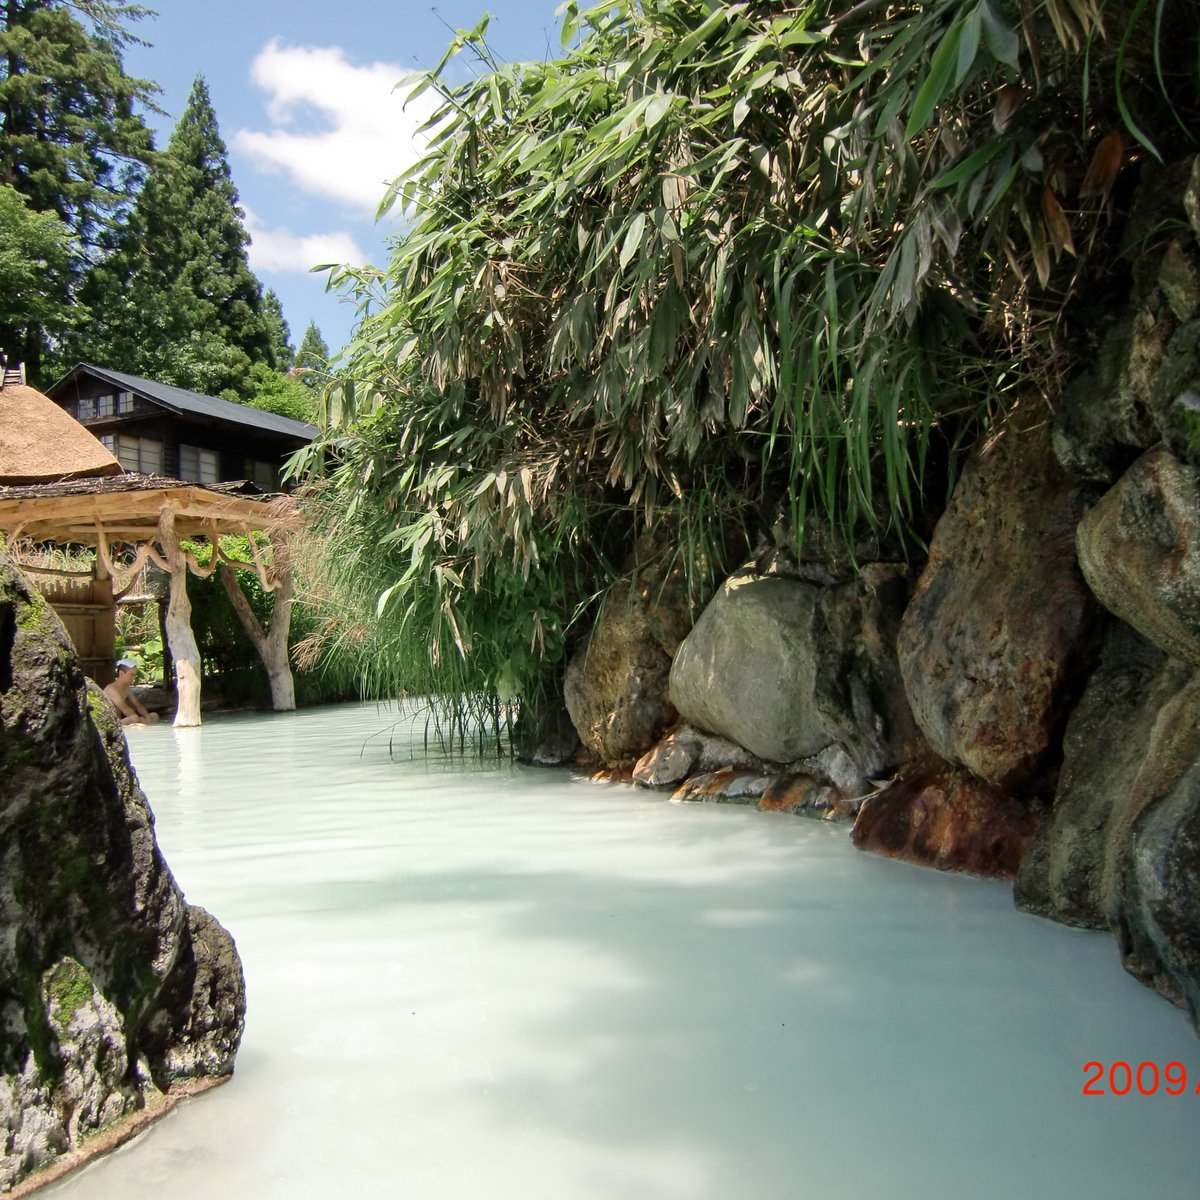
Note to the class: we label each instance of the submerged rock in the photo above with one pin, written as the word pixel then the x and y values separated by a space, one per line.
pixel 112 988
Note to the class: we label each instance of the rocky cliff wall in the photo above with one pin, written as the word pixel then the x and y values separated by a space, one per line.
pixel 113 990
pixel 1026 703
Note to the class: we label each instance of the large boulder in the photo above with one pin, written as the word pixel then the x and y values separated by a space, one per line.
pixel 1140 552
pixel 112 988
pixel 794 671
pixel 1002 626
pixel 747 670
pixel 616 684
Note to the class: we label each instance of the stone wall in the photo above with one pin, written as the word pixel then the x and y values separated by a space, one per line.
pixel 112 989
pixel 1026 703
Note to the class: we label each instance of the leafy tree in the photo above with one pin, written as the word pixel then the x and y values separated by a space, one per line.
pixel 71 139
pixel 283 353
pixel 176 300
pixel 721 260
pixel 278 392
pixel 36 256
pixel 313 356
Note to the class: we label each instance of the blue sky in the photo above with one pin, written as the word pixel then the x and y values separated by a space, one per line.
pixel 303 91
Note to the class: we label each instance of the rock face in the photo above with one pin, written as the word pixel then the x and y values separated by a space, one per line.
pixel 1032 707
pixel 1002 624
pixel 111 987
pixel 1120 848
pixel 1140 552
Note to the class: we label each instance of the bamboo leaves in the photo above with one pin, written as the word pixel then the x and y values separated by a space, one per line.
pixel 716 257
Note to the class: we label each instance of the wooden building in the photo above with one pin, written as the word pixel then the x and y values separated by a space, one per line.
pixel 59 483
pixel 156 429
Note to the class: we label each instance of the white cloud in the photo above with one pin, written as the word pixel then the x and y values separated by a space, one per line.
pixel 279 249
pixel 371 134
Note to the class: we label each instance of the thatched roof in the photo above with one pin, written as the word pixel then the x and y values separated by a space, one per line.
pixel 40 442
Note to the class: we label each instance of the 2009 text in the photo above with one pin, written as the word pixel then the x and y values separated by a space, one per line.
pixel 1121 1079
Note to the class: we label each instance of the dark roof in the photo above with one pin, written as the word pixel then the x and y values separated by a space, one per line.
pixel 183 402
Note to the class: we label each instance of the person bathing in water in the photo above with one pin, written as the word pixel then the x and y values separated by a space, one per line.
pixel 120 692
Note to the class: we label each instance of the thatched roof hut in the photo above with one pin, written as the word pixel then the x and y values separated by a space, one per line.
pixel 41 443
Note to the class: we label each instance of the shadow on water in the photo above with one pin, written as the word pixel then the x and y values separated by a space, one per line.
pixel 482 981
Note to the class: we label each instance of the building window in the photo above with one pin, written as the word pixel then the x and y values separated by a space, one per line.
pixel 262 475
pixel 106 405
pixel 137 453
pixel 198 465
pixel 85 408
pixel 124 402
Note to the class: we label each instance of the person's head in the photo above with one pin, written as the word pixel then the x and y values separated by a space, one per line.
pixel 126 669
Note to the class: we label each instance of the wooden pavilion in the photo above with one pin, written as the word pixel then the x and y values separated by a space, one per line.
pixel 65 487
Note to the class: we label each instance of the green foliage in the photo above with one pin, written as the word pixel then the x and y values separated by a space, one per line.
pixel 275 391
pixel 312 359
pixel 71 142
pixel 283 354
pixel 229 661
pixel 36 256
pixel 176 301
pixel 719 259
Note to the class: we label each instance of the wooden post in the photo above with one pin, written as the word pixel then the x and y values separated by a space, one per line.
pixel 272 645
pixel 104 641
pixel 182 640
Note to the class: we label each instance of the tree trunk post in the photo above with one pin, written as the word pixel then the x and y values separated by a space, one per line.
pixel 272 645
pixel 182 640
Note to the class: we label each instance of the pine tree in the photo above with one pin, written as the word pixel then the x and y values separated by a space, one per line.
pixel 313 356
pixel 283 353
pixel 177 300
pixel 71 141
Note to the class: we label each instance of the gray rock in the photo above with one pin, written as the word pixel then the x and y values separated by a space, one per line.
pixel 799 673
pixel 747 670
pixel 1158 926
pixel 1191 196
pixel 1179 280
pixel 1001 627
pixel 1139 549
pixel 1105 417
pixel 723 787
pixel 687 751
pixel 111 987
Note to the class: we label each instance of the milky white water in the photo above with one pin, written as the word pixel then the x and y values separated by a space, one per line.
pixel 505 983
